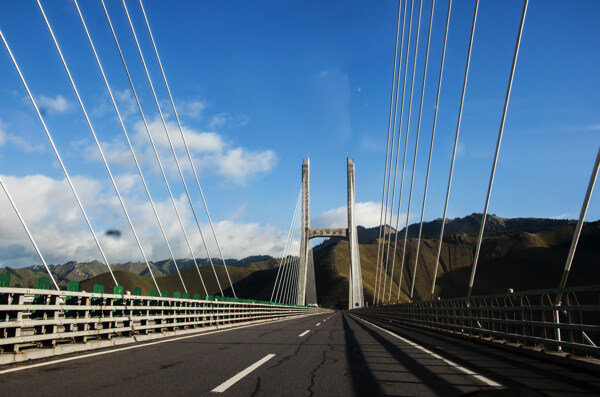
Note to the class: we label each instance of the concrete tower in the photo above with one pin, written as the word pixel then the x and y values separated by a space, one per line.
pixel 355 290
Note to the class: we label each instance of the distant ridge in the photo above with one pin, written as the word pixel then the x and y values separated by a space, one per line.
pixel 74 271
pixel 468 225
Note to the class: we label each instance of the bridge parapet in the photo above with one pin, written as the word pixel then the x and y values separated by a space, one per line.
pixel 37 323
pixel 528 319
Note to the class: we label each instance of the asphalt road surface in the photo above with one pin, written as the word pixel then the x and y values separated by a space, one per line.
pixel 335 354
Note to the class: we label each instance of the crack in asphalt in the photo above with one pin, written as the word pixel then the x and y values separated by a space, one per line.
pixel 295 353
pixel 257 389
pixel 325 359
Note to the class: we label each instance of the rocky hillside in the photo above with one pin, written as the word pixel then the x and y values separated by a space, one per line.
pixel 75 271
pixel 467 225
pixel 518 260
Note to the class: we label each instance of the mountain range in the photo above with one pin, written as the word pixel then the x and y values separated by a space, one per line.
pixel 518 253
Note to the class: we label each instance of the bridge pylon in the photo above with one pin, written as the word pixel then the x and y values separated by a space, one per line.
pixel 355 290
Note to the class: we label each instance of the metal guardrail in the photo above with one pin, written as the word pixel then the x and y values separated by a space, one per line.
pixel 528 319
pixel 45 319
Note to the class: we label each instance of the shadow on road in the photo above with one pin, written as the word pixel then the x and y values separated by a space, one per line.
pixel 434 382
pixel 363 380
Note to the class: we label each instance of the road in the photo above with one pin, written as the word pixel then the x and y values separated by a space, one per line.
pixel 326 355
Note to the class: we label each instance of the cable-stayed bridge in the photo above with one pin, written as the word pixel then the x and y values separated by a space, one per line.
pixel 113 341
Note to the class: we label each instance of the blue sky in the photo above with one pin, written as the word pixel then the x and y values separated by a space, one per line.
pixel 262 85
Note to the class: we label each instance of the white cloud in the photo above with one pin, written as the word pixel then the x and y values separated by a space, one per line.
pixel 192 109
pixel 564 216
pixel 116 152
pixel 57 104
pixel 238 212
pixel 59 229
pixel 218 120
pixel 210 152
pixel 202 141
pixel 239 164
pixel 2 134
pixel 6 138
pixel 594 127
pixel 228 121
pixel 125 102
pixel 367 214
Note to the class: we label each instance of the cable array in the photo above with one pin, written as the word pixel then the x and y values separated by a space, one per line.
pixel 187 149
pixel 498 142
pixel 458 123
pixel 383 255
pixel 152 143
pixel 387 152
pixel 58 157
pixel 131 148
pixel 132 151
pixel 285 288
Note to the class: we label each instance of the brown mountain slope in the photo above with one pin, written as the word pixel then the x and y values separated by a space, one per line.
pixel 520 260
pixel 172 282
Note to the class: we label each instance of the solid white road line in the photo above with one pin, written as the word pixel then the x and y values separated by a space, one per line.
pixel 304 333
pixel 135 346
pixel 467 371
pixel 227 384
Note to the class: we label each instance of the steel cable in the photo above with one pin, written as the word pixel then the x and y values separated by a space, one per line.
pixel 186 147
pixel 435 114
pixel 412 84
pixel 130 145
pixel 387 256
pixel 164 123
pixel 35 246
pixel 499 141
pixel 460 110
pixel 155 150
pixel 417 140
pixel 387 151
pixel 62 165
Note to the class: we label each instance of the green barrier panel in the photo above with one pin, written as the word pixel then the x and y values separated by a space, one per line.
pixel 186 295
pixel 98 288
pixel 137 291
pixel 164 294
pixel 118 290
pixel 5 280
pixel 153 292
pixel 177 294
pixel 196 297
pixel 73 286
pixel 43 283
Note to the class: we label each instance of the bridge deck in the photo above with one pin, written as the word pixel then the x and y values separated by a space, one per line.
pixel 341 356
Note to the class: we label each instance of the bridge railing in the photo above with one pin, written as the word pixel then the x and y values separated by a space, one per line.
pixel 527 319
pixel 56 322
